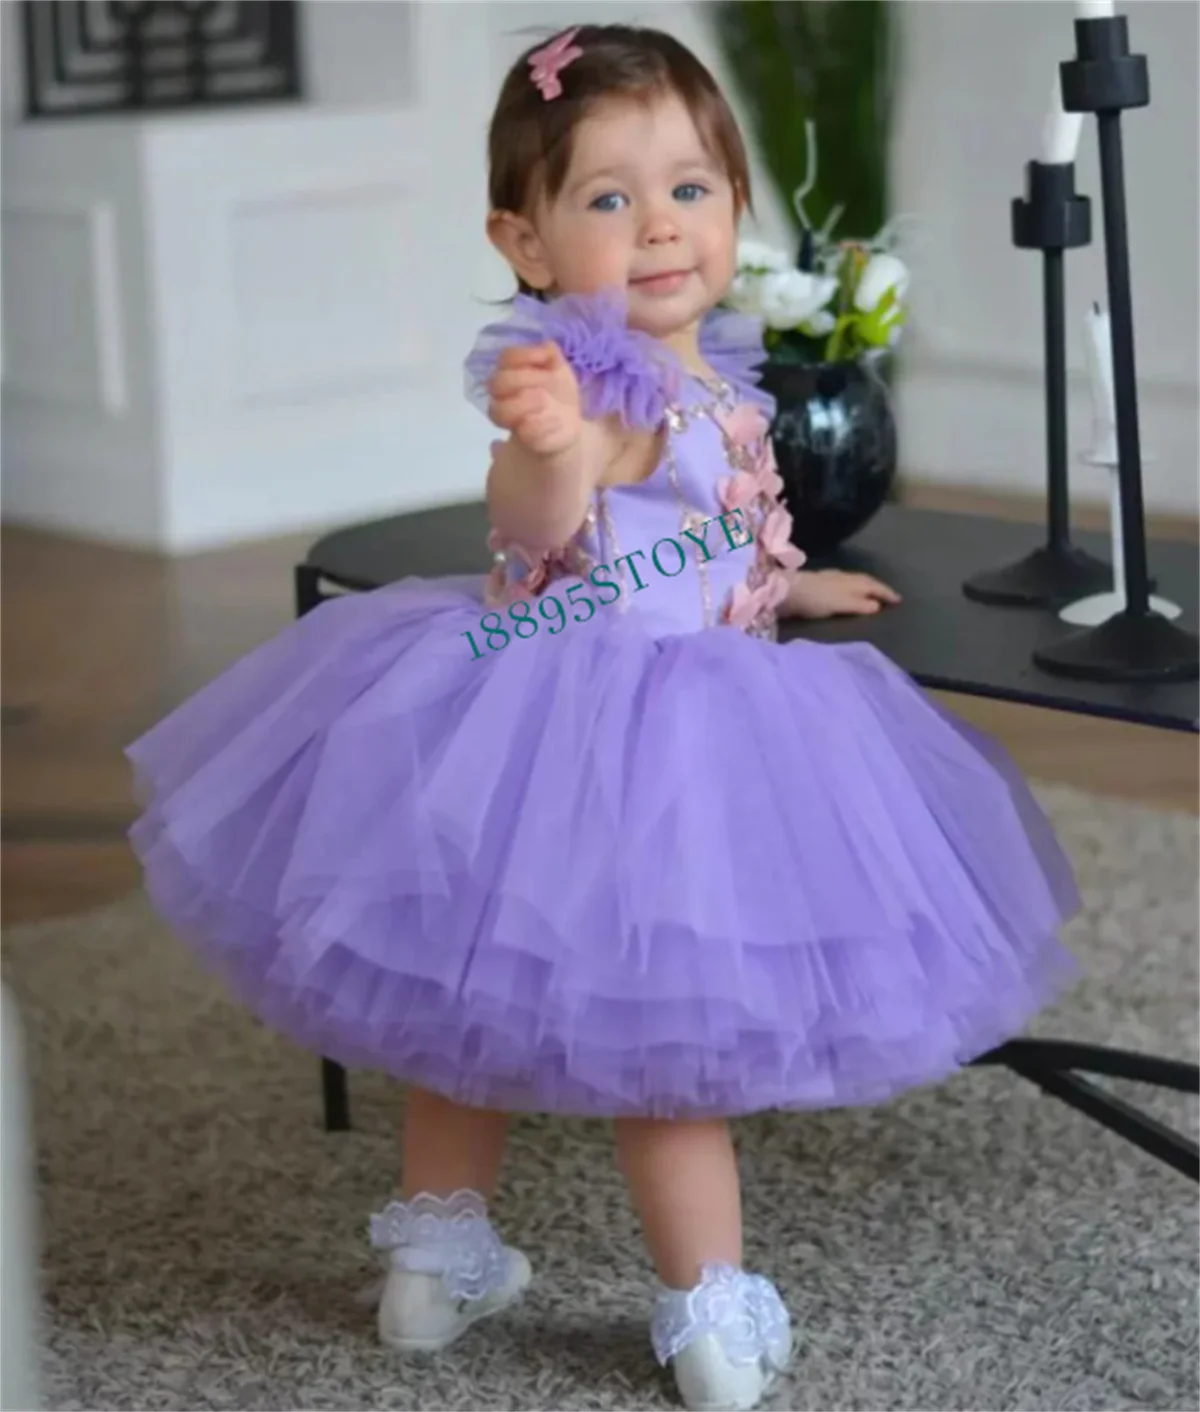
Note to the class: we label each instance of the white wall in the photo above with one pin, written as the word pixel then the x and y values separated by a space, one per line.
pixel 359 54
pixel 976 84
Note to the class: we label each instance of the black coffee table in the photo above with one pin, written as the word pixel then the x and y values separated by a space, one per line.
pixel 945 642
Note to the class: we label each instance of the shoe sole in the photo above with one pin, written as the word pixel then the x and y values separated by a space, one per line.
pixel 770 1383
pixel 769 1373
pixel 467 1318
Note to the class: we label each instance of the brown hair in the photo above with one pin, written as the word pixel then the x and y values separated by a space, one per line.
pixel 529 139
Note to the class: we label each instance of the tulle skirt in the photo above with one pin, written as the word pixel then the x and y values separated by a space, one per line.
pixel 603 872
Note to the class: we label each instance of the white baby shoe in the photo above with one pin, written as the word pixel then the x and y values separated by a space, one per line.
pixel 729 1339
pixel 447 1269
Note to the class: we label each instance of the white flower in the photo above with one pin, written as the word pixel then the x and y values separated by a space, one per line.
pixel 821 323
pixel 754 255
pixel 881 273
pixel 745 293
pixel 794 297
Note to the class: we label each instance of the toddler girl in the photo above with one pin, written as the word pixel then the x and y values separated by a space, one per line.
pixel 585 837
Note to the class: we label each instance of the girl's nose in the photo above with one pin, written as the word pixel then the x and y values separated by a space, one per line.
pixel 659 228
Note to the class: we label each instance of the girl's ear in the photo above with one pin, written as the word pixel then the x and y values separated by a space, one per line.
pixel 516 239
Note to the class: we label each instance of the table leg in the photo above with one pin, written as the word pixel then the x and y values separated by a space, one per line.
pixel 1050 1063
pixel 336 1097
pixel 308 589
pixel 334 1088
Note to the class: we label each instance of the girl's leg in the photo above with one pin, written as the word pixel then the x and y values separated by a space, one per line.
pixel 446 1147
pixel 449 1266
pixel 727 1333
pixel 683 1182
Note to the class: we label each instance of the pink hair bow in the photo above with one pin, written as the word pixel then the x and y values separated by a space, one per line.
pixel 549 62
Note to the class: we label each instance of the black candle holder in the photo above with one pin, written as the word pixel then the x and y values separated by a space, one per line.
pixel 1050 218
pixel 1135 644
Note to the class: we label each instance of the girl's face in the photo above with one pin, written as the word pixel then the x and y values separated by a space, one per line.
pixel 644 207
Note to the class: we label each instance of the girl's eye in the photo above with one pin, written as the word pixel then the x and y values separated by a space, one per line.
pixel 607 202
pixel 690 191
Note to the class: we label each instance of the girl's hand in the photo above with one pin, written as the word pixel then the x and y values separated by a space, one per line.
pixel 535 396
pixel 828 593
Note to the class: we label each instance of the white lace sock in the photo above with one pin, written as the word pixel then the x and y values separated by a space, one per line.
pixel 743 1312
pixel 449 1269
pixel 447 1236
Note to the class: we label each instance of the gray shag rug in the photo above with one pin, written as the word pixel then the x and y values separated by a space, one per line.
pixel 973 1245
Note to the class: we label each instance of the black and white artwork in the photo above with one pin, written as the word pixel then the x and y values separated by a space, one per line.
pixel 115 56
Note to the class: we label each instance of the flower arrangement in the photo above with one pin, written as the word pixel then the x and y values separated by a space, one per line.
pixel 848 305
pixel 838 301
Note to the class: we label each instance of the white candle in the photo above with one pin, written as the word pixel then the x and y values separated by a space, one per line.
pixel 1060 131
pixel 1104 400
pixel 1094 9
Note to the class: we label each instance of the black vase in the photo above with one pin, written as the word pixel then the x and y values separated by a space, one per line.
pixel 834 436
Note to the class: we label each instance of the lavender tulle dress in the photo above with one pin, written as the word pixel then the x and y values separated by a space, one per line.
pixel 643 860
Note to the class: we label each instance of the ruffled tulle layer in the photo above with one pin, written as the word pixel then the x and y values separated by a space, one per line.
pixel 601 873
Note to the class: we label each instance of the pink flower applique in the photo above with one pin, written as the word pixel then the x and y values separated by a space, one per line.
pixel 770 482
pixel 745 604
pixel 738 492
pixel 744 425
pixel 776 539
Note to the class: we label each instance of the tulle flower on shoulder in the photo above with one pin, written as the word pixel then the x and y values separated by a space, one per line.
pixel 620 369
pixel 732 345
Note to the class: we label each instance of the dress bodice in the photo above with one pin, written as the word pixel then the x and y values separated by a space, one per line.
pixel 703 541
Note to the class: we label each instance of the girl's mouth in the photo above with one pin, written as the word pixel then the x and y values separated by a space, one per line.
pixel 666 283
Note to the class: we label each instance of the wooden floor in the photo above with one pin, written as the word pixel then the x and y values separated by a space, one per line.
pixel 98 643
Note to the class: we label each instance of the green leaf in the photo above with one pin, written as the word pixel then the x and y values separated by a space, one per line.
pixel 834 349
pixel 875 326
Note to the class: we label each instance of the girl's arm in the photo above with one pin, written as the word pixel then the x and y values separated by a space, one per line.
pixel 829 593
pixel 539 501
pixel 542 478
